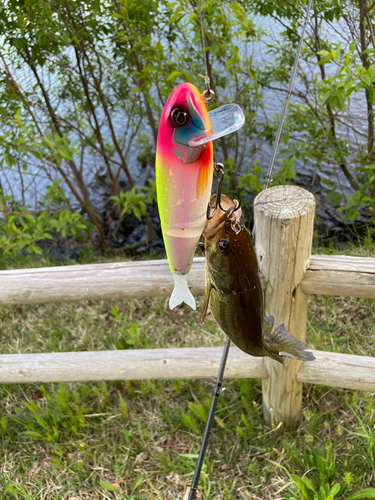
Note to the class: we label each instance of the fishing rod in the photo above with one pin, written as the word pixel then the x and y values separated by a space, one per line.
pixel 220 376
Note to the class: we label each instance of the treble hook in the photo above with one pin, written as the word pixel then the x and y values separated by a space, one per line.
pixel 219 169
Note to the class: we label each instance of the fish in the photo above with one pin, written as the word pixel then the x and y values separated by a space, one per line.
pixel 233 290
pixel 183 182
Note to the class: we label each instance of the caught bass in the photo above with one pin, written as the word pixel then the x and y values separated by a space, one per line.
pixel 183 182
pixel 233 289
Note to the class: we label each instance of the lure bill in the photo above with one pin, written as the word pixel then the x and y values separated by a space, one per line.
pixel 233 289
pixel 223 120
pixel 183 182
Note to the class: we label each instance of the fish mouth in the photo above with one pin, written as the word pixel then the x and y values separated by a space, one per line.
pixel 231 212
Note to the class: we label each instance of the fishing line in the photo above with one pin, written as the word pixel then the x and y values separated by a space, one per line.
pixel 220 376
pixel 208 94
pixel 287 100
pixel 201 20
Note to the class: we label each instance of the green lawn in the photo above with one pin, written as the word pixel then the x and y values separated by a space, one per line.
pixel 139 440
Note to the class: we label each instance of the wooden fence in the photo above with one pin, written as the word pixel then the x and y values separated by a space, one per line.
pixel 284 221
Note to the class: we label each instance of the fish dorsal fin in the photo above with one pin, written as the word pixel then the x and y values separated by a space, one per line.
pixel 206 301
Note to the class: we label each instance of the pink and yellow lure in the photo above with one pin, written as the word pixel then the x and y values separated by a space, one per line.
pixel 183 182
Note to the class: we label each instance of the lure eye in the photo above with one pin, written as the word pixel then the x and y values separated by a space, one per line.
pixel 179 117
pixel 224 246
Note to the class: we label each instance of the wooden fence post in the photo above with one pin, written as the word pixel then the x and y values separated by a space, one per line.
pixel 284 217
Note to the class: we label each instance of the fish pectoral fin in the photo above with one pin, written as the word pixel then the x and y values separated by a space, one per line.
pixel 206 301
pixel 281 343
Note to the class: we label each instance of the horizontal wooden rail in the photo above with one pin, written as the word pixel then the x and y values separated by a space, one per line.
pixel 331 369
pixel 340 275
pixel 326 275
pixel 339 370
pixel 94 281
pixel 138 364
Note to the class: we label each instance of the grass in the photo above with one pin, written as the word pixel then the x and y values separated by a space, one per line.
pixel 139 440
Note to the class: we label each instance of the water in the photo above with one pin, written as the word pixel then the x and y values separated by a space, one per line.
pixel 34 181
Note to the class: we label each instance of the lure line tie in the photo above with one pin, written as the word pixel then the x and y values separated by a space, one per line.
pixel 208 93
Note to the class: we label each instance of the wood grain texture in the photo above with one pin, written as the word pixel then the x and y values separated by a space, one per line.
pixel 340 275
pixel 331 369
pixel 94 281
pixel 339 370
pixel 284 218
pixel 326 275
pixel 138 364
pixel 342 263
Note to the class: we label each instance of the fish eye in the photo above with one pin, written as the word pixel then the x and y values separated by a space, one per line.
pixel 224 246
pixel 179 117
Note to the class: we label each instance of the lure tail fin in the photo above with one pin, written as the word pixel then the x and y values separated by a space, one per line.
pixel 279 343
pixel 181 292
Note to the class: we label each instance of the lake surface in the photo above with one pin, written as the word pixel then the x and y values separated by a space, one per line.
pixel 309 174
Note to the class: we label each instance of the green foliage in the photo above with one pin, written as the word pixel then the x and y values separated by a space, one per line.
pixel 355 203
pixel 21 229
pixel 130 202
pixel 253 179
pixel 111 60
pixel 63 416
pixel 106 60
pixel 15 490
pixel 100 437
pixel 306 490
pixel 322 105
pixel 131 335
pixel 324 465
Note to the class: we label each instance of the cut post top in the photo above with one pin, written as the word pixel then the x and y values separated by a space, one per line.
pixel 284 202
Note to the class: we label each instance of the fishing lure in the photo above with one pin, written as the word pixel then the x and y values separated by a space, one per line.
pixel 184 168
pixel 183 182
pixel 233 288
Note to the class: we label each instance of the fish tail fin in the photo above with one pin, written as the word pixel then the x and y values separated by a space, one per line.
pixel 181 292
pixel 280 343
